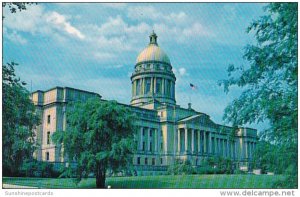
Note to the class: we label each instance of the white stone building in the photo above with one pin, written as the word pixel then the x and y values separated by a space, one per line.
pixel 166 130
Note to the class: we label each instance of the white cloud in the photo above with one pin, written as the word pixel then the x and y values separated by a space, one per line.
pixel 196 30
pixel 27 21
pixel 182 71
pixel 36 20
pixel 118 6
pixel 150 13
pixel 59 22
pixel 103 55
pixel 14 37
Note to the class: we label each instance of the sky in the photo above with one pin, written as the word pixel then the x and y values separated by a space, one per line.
pixel 94 46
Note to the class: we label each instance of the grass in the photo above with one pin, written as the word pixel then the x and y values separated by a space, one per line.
pixel 164 181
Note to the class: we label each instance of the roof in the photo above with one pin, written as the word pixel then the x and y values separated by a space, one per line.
pixel 190 118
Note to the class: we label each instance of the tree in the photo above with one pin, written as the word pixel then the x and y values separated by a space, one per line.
pixel 99 137
pixel 16 6
pixel 270 82
pixel 18 121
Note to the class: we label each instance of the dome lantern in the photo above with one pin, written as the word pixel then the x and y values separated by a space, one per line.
pixel 153 38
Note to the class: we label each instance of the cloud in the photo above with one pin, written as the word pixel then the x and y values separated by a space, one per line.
pixel 59 22
pixel 118 6
pixel 151 13
pixel 14 37
pixel 103 55
pixel 26 21
pixel 196 30
pixel 179 72
pixel 36 20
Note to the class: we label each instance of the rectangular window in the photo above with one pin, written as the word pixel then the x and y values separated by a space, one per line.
pixel 48 137
pixel 138 86
pixel 150 147
pixel 47 156
pixel 146 161
pixel 48 119
pixel 148 85
pixel 150 133
pixel 153 161
pixel 161 146
pixel 158 86
pixel 143 132
pixel 168 87
pixel 161 161
pixel 144 144
pixel 138 160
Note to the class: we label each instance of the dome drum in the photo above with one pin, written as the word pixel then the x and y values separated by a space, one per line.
pixel 153 77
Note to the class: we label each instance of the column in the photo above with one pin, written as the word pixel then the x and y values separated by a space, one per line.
pixel 163 86
pixel 185 139
pixel 193 141
pixel 178 141
pixel 199 145
pixel 210 144
pixel 224 150
pixel 143 86
pixel 204 142
pixel 155 140
pixel 152 86
pixel 134 88
pixel 141 138
pixel 154 83
pixel 148 139
pixel 216 145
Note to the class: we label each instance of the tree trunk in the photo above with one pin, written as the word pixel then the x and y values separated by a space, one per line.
pixel 100 178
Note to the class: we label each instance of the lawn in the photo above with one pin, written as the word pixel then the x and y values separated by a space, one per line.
pixel 167 181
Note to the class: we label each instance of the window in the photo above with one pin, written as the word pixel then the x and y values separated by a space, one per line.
pixel 144 144
pixel 153 161
pixel 168 87
pixel 150 147
pixel 148 85
pixel 143 132
pixel 161 146
pixel 48 119
pixel 146 161
pixel 138 87
pixel 48 137
pixel 161 161
pixel 158 85
pixel 47 156
pixel 138 160
pixel 150 133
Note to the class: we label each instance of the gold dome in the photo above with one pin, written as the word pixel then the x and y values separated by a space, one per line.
pixel 153 52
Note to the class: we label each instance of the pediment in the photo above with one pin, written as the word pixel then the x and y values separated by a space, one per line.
pixel 199 119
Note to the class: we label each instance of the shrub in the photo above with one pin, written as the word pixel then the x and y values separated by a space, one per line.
pixel 34 168
pixel 181 167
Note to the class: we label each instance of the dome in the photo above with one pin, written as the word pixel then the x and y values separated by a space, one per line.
pixel 153 52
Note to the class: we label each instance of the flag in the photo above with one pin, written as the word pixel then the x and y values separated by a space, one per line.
pixel 193 86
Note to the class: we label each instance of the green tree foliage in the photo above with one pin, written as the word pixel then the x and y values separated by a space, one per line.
pixel 16 6
pixel 18 121
pixel 99 137
pixel 270 82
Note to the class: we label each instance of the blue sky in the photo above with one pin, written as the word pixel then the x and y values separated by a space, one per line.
pixel 93 46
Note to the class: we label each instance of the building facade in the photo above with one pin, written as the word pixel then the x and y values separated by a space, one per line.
pixel 166 131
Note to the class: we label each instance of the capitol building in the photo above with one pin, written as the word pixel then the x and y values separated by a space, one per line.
pixel 167 131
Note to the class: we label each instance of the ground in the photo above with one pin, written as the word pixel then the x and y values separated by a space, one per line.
pixel 170 181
